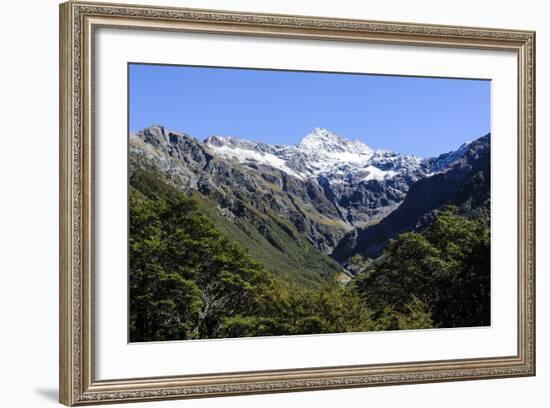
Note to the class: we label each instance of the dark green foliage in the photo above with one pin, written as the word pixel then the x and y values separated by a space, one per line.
pixel 184 275
pixel 330 309
pixel 268 238
pixel 189 281
pixel 446 268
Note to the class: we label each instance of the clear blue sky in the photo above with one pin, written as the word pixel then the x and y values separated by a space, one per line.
pixel 422 116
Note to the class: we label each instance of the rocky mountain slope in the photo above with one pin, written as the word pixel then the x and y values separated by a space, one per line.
pixel 361 184
pixel 310 195
pixel 325 179
pixel 463 181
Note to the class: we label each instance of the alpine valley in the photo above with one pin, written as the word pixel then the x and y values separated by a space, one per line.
pixel 307 212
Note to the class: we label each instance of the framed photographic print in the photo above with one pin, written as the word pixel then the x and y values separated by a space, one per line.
pixel 260 203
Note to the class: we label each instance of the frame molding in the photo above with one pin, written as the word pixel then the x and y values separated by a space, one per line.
pixel 77 382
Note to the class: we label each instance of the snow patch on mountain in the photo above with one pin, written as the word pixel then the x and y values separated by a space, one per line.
pixel 244 155
pixel 374 173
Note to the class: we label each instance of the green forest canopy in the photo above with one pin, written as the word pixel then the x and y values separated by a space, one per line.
pixel 190 281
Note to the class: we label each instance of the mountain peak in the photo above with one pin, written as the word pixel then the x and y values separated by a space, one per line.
pixel 155 130
pixel 323 140
pixel 320 136
pixel 323 133
pixel 217 140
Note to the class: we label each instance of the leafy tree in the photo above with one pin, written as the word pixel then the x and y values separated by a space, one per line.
pixel 184 275
pixel 464 291
pixel 407 269
pixel 447 270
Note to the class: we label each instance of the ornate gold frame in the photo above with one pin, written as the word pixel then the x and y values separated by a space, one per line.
pixel 78 20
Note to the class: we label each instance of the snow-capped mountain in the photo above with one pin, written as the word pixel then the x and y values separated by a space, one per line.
pixel 363 184
pixel 324 186
pixel 326 151
pixel 320 153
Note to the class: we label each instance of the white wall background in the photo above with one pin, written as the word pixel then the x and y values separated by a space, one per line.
pixel 29 189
